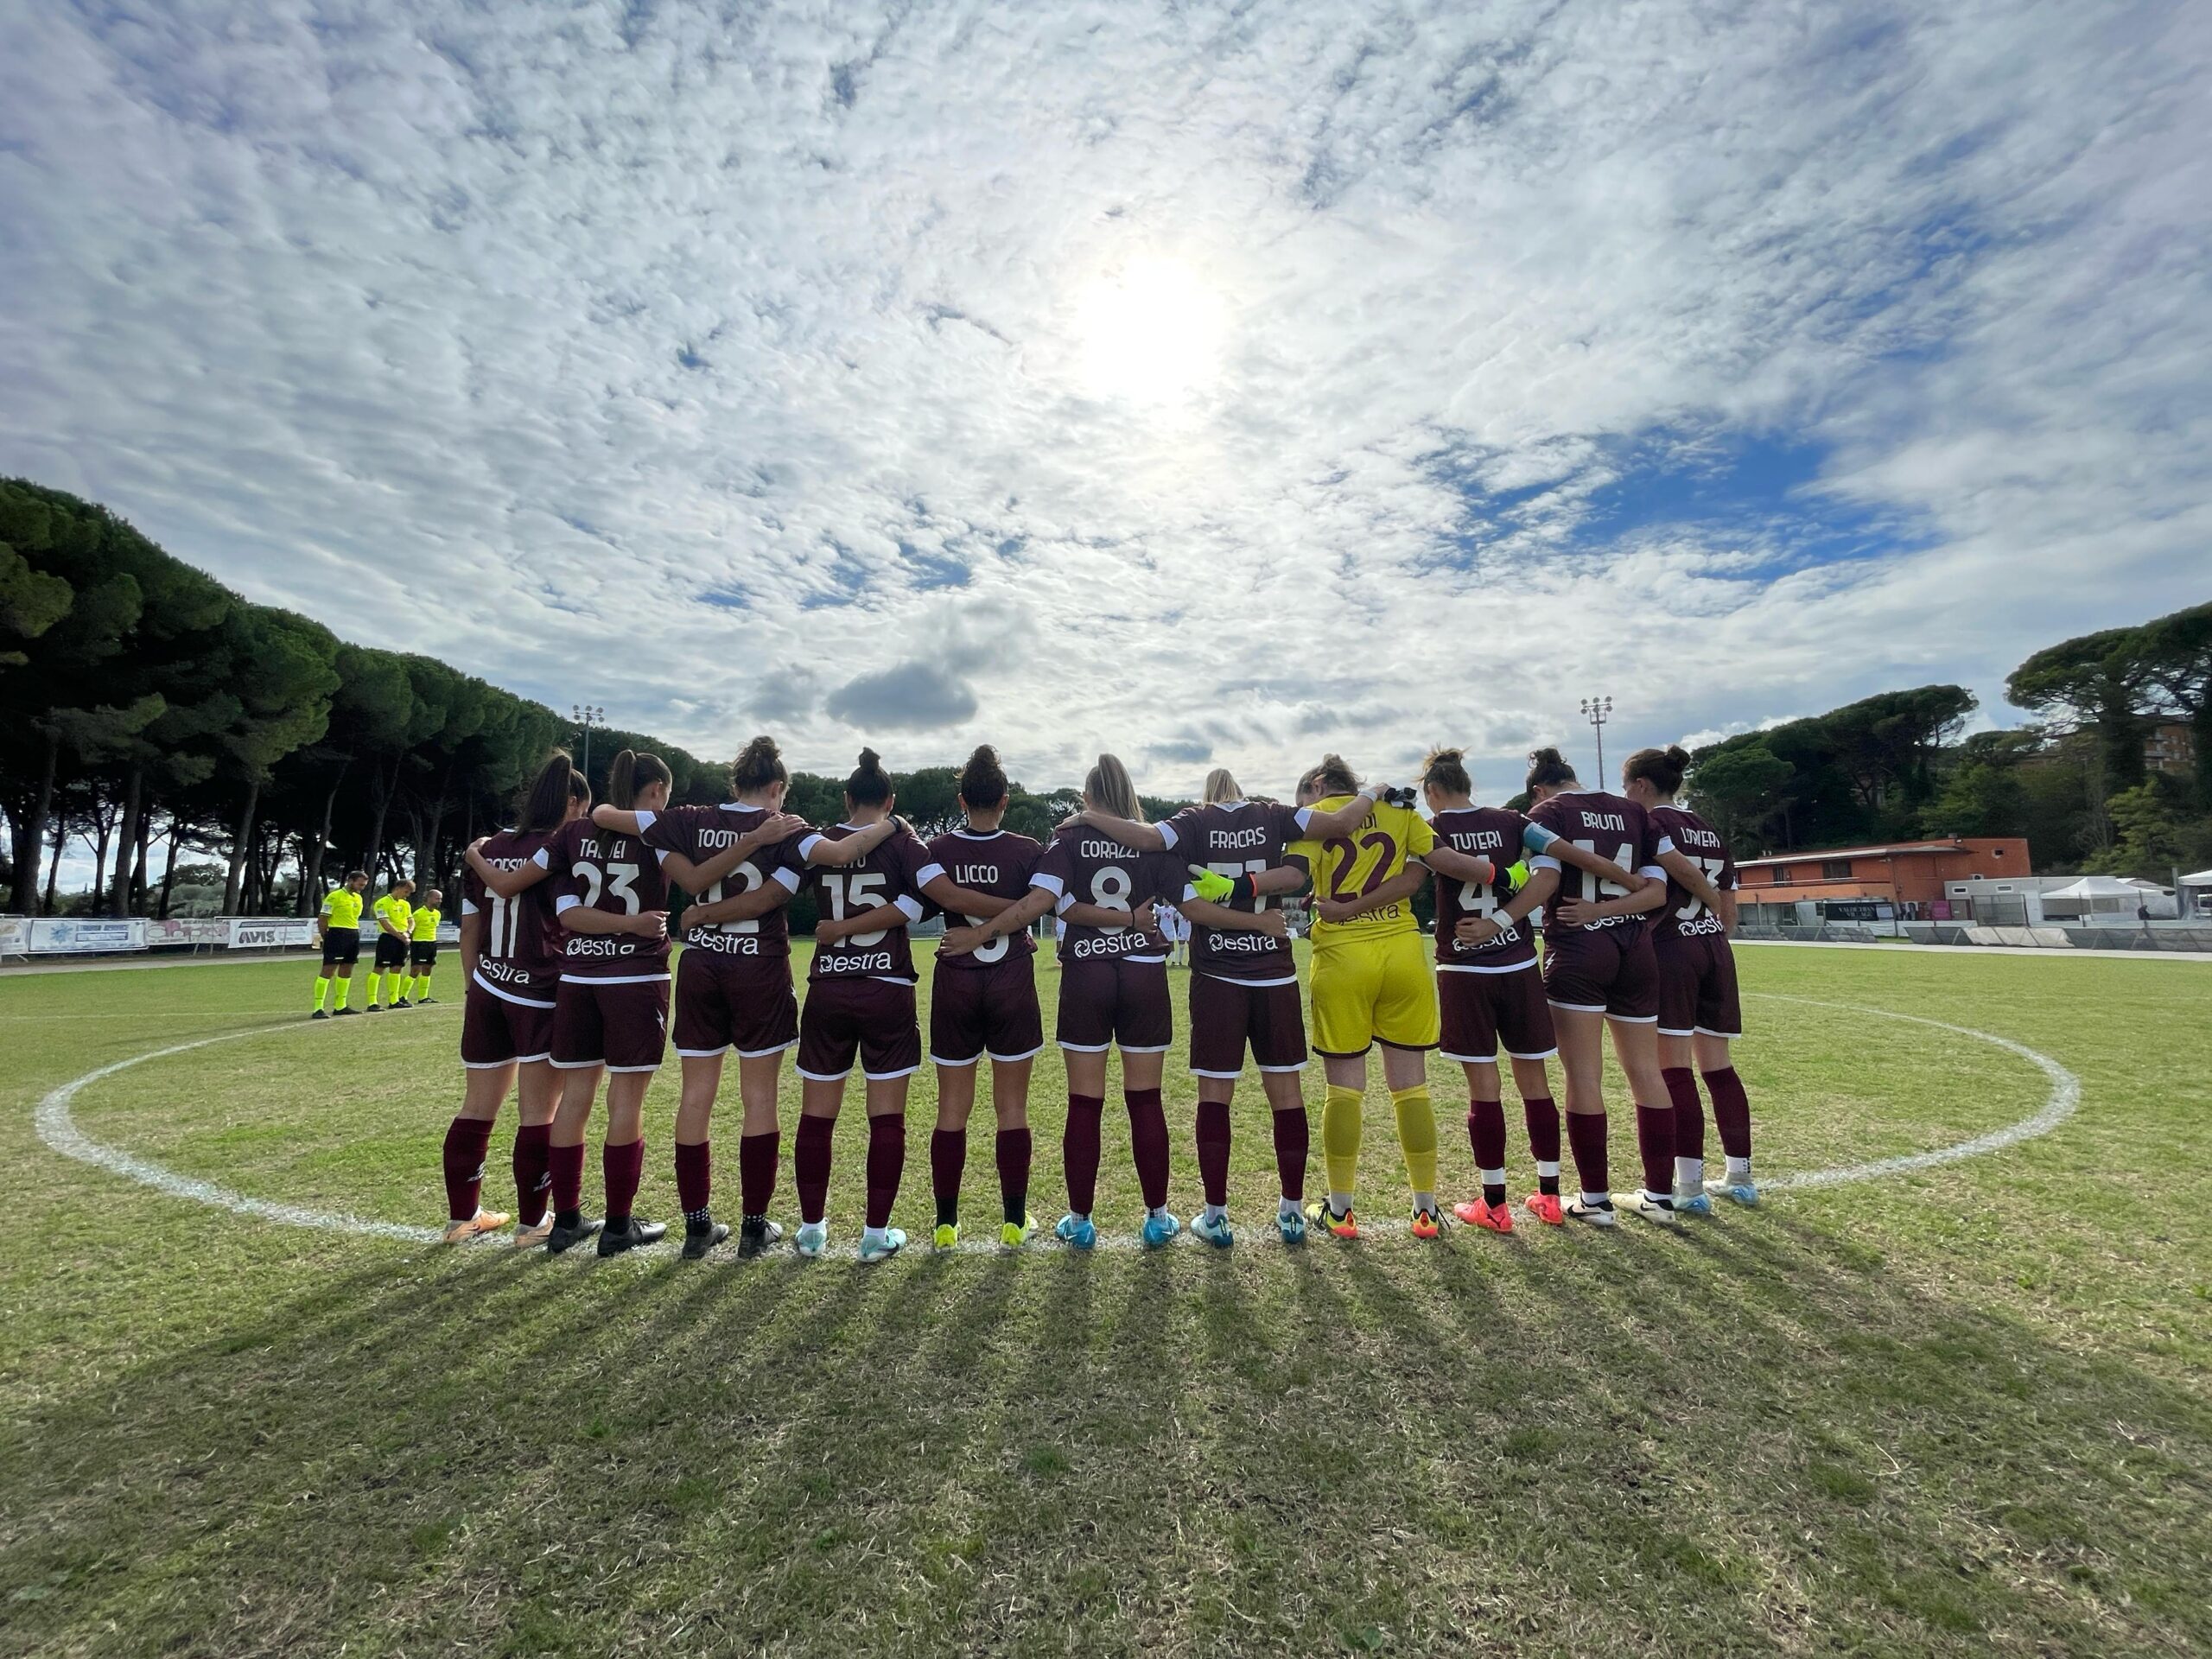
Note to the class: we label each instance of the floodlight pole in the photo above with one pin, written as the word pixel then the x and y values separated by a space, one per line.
pixel 588 716
pixel 1596 711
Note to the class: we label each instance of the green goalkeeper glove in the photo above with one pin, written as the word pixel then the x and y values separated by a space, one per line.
pixel 1211 884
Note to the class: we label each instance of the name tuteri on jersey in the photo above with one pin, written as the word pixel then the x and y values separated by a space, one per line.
pixel 1085 865
pixel 700 832
pixel 1612 826
pixel 1002 864
pixel 893 873
pixel 616 875
pixel 518 953
pixel 1699 841
pixel 1498 833
pixel 1235 838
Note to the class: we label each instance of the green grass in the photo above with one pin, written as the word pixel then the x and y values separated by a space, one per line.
pixel 1960 1411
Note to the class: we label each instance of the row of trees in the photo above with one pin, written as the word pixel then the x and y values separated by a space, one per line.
pixel 143 704
pixel 2078 785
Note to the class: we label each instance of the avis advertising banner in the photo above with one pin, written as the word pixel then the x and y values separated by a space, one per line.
pixel 272 932
pixel 59 933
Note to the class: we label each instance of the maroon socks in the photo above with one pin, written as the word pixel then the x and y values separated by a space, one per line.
pixel 1079 1151
pixel 1689 1112
pixel 1012 1150
pixel 1486 1134
pixel 1732 1111
pixel 533 1178
pixel 1148 1143
pixel 1585 1133
pixel 623 1167
pixel 1542 1116
pixel 564 1168
pixel 1655 1146
pixel 465 1139
pixel 756 1171
pixel 886 1163
pixel 810 1165
pixel 694 1181
pixel 1213 1149
pixel 948 1157
pixel 1293 1138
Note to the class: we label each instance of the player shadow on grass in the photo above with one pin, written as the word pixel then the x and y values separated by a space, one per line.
pixel 497 1436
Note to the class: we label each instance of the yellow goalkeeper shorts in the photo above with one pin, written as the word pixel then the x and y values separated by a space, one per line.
pixel 1373 990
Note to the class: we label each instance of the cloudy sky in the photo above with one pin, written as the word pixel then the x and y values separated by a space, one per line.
pixel 1211 383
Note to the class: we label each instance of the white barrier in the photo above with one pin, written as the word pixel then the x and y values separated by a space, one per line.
pixel 83 933
pixel 15 936
pixel 193 930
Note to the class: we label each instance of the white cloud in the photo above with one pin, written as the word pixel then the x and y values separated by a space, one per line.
pixel 718 375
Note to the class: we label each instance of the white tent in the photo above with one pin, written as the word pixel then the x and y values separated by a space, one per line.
pixel 2095 893
pixel 2202 879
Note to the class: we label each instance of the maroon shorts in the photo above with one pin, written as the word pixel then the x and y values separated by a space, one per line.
pixel 873 1018
pixel 1227 1016
pixel 497 1028
pixel 1697 985
pixel 621 1024
pixel 725 1002
pixel 1606 971
pixel 1110 999
pixel 1480 1009
pixel 991 1010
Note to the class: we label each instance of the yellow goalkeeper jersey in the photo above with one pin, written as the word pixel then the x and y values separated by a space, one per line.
pixel 1349 866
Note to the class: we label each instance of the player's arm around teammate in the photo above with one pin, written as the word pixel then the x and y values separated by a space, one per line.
pixel 509 956
pixel 1699 1011
pixel 983 1002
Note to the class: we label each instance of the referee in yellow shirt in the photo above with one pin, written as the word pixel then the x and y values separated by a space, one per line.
pixel 394 915
pixel 1372 984
pixel 338 930
pixel 422 946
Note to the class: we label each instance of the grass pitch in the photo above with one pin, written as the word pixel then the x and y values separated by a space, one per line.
pixel 1960 1410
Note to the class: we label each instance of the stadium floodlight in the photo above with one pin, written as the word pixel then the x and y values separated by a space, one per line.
pixel 1597 711
pixel 588 716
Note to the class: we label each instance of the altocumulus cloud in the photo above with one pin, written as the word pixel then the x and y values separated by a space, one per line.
pixel 1251 379
pixel 910 697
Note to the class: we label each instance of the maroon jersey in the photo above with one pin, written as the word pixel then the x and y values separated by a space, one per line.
pixel 1492 832
pixel 1700 843
pixel 1088 866
pixel 618 875
pixel 1235 838
pixel 892 875
pixel 700 832
pixel 1000 864
pixel 1612 826
pixel 519 948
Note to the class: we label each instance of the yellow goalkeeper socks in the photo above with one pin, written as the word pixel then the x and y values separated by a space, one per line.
pixel 1340 1137
pixel 1417 1134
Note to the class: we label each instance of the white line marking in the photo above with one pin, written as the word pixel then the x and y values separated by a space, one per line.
pixel 2065 1100
pixel 60 1132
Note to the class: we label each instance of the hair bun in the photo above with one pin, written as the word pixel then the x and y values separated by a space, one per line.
pixel 1545 757
pixel 871 761
pixel 1678 757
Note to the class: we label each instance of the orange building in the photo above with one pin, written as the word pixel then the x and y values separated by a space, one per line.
pixel 1904 873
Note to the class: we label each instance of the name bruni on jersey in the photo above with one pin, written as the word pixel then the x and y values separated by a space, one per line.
pixel 855 962
pixel 1121 942
pixel 1606 821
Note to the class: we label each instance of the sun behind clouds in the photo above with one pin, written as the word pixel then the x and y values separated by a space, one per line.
pixel 1151 332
